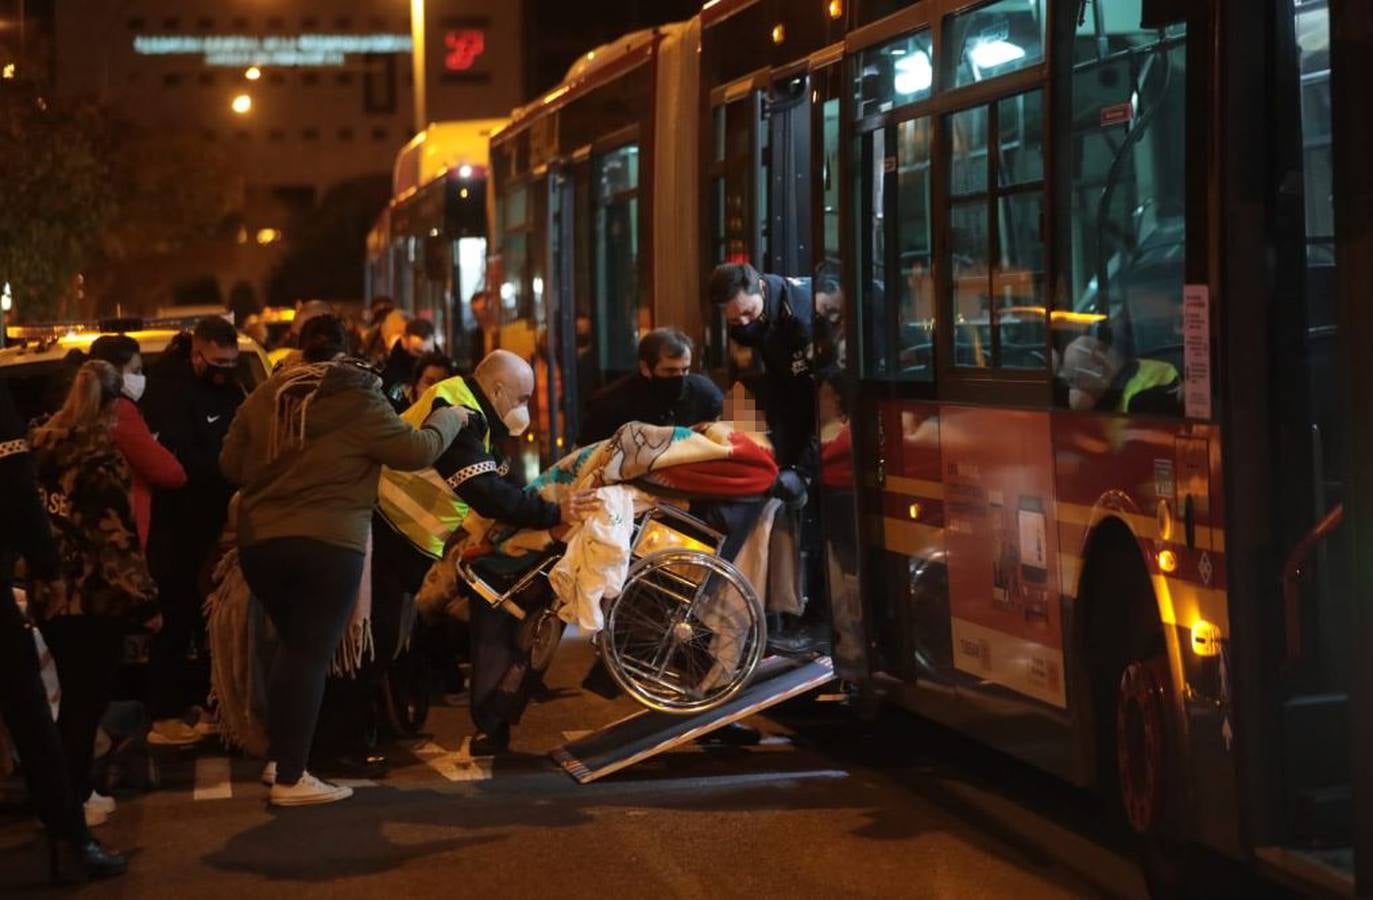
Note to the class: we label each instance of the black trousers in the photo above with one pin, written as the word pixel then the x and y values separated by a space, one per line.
pixel 347 715
pixel 87 651
pixel 24 706
pixel 497 670
pixel 175 561
pixel 308 588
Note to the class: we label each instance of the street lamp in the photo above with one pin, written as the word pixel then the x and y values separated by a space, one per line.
pixel 253 73
pixel 242 104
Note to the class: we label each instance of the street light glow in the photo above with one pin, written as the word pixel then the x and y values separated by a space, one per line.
pixel 253 73
pixel 242 104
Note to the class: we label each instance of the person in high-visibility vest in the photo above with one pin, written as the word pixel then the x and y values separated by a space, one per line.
pixel 418 512
pixel 1099 377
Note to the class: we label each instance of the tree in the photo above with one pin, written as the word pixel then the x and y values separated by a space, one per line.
pixel 55 197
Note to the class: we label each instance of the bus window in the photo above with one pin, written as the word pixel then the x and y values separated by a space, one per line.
pixel 995 245
pixel 870 156
pixel 992 40
pixel 616 178
pixel 915 315
pixel 1119 338
pixel 893 74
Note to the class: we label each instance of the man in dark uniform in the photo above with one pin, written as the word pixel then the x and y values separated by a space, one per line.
pixel 662 392
pixel 774 316
pixel 192 396
pixel 418 513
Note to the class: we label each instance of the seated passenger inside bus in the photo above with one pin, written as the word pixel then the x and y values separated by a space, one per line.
pixel 1098 376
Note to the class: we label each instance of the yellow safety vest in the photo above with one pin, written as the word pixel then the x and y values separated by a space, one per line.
pixel 1151 373
pixel 422 505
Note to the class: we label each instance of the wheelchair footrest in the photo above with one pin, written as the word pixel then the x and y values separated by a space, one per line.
pixel 647 734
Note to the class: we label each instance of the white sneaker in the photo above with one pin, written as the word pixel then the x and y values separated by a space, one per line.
pixel 172 733
pixel 269 774
pixel 95 815
pixel 309 791
pixel 99 801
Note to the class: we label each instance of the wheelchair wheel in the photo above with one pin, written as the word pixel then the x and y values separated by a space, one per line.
pixel 686 633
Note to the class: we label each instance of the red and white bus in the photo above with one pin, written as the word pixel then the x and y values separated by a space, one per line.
pixel 1094 271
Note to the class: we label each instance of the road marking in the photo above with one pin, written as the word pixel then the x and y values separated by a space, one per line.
pixel 213 778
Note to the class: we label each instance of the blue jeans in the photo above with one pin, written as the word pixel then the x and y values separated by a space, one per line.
pixel 308 588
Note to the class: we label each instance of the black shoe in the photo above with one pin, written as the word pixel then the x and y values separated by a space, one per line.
pixel 800 642
pixel 490 744
pixel 735 734
pixel 72 863
pixel 600 682
pixel 368 767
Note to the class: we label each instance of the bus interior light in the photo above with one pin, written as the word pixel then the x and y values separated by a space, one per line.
pixel 836 8
pixel 914 511
pixel 990 54
pixel 464 171
pixel 914 73
pixel 1206 639
pixel 779 33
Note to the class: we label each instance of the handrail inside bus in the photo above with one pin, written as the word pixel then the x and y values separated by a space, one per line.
pixel 1292 571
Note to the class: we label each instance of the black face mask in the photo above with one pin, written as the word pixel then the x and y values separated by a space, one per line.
pixel 667 390
pixel 752 334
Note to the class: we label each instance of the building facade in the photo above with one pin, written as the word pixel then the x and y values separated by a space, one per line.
pixel 306 94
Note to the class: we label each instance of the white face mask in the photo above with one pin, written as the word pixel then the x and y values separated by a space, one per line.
pixel 517 420
pixel 134 385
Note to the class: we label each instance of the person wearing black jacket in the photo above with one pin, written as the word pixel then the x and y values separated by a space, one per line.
pixel 25 532
pixel 662 392
pixel 399 370
pixel 191 398
pixel 775 317
pixel 475 475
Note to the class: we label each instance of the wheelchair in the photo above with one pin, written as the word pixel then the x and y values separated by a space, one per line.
pixel 686 633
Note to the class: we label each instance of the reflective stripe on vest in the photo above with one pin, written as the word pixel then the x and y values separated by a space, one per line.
pixel 1151 373
pixel 421 505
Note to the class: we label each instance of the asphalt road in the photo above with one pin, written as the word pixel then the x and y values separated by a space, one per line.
pixel 826 806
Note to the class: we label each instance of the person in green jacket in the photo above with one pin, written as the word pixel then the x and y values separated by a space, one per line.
pixel 308 447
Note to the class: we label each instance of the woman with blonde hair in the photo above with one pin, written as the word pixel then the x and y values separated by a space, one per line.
pixel 102 586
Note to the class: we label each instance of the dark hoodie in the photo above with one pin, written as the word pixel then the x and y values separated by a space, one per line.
pixel 308 446
pixel 84 484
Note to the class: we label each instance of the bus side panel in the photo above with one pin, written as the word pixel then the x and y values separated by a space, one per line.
pixel 1161 480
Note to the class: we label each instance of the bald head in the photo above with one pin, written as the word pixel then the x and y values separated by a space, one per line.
pixel 508 382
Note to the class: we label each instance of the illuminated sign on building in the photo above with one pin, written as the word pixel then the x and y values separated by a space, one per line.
pixel 462 47
pixel 273 50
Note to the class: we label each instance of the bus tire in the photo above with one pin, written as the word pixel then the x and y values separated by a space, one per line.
pixel 1133 724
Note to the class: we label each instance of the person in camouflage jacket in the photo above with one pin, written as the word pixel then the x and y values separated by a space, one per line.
pixel 102 586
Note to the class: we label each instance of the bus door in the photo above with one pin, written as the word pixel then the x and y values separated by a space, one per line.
pixel 786 172
pixel 565 341
pixel 1308 736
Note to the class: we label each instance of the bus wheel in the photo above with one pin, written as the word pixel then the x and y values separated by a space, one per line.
pixel 1141 743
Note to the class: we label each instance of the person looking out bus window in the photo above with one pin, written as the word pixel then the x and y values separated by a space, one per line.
pixel 152 465
pixel 663 392
pixel 1098 376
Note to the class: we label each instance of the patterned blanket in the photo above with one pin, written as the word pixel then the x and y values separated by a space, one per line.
pixel 711 461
